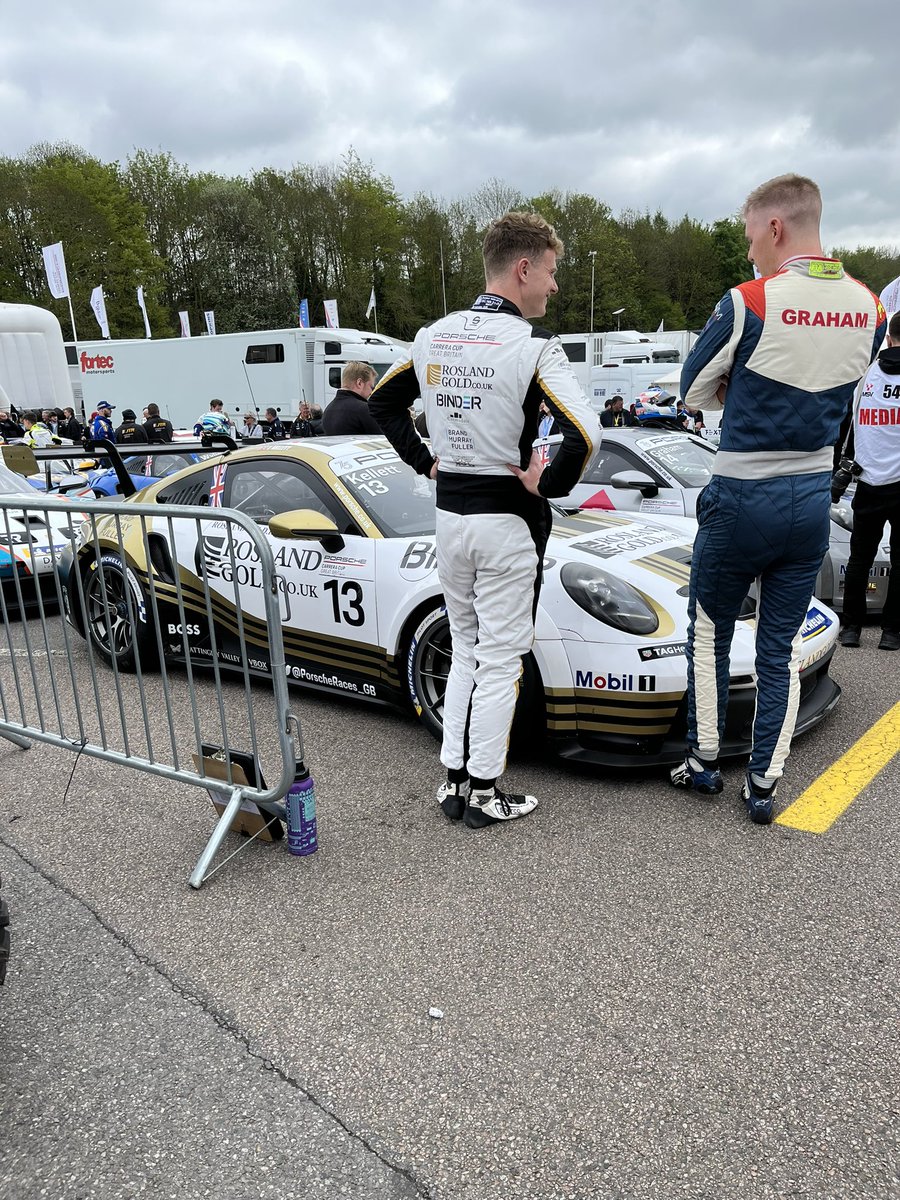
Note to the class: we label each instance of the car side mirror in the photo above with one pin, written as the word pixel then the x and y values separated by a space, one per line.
pixel 636 481
pixel 307 524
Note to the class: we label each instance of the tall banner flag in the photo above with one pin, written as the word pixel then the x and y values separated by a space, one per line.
pixel 98 304
pixel 185 324
pixel 662 322
pixel 55 266
pixel 331 314
pixel 372 303
pixel 143 307
pixel 210 318
pixel 890 297
pixel 57 279
pixel 304 314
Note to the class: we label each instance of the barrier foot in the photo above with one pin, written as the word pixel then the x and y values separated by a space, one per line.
pixel 223 825
pixel 23 743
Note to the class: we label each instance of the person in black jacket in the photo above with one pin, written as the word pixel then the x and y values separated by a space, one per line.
pixel 275 431
pixel 9 428
pixel 157 428
pixel 70 427
pixel 130 430
pixel 348 411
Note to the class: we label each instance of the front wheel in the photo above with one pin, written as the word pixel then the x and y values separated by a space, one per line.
pixel 117 614
pixel 428 665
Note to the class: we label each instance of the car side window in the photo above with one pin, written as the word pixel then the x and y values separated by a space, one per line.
pixel 263 489
pixel 608 461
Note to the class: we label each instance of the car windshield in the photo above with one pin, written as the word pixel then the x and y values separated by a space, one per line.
pixel 400 502
pixel 688 461
pixel 158 466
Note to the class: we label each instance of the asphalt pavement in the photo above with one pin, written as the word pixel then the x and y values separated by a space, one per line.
pixel 643 995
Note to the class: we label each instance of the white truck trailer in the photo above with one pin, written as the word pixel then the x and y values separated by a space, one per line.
pixel 33 370
pixel 625 362
pixel 273 368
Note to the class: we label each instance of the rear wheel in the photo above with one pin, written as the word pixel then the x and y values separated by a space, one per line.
pixel 117 614
pixel 428 666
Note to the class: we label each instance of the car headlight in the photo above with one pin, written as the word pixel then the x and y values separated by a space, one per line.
pixel 842 514
pixel 610 600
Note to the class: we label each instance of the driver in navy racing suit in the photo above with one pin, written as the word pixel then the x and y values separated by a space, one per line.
pixel 784 352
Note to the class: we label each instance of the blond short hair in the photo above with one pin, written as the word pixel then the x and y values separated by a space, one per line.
pixel 357 372
pixel 517 235
pixel 794 198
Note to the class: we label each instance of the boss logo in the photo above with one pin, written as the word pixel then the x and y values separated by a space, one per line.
pixel 189 630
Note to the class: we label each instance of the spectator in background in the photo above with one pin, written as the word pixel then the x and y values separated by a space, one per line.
pixel 302 426
pixel 130 431
pixel 614 416
pixel 9 428
pixel 275 431
pixel 102 426
pixel 48 418
pixel 157 428
pixel 70 427
pixel 251 430
pixel 348 411
pixel 214 421
pixel 37 432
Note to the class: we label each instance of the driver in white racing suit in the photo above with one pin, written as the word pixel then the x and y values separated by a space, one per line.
pixel 482 374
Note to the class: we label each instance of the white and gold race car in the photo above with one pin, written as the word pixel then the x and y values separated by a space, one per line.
pixel 362 612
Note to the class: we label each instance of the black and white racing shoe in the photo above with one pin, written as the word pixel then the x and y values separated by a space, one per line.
pixel 453 798
pixel 491 806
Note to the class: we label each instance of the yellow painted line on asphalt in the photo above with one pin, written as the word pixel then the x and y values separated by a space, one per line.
pixel 836 789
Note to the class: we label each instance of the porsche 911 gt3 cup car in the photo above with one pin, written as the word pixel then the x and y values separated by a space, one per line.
pixel 362 608
pixel 662 472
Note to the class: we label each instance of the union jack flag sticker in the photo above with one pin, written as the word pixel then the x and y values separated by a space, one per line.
pixel 217 488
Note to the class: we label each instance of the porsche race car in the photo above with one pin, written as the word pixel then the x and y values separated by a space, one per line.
pixel 362 611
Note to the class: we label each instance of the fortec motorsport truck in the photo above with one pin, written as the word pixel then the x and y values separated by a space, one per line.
pixel 275 368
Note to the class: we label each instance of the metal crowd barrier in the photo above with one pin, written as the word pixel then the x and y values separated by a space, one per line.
pixel 147 582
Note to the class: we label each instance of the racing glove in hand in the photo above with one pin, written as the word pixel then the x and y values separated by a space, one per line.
pixel 847 471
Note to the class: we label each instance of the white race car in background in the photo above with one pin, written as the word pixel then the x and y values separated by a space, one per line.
pixel 362 611
pixel 661 473
pixel 30 542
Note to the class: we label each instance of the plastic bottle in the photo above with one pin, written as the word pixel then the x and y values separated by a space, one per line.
pixel 300 805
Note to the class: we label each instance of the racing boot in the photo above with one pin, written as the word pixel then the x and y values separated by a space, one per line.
pixel 759 800
pixel 850 635
pixel 453 795
pixel 704 777
pixel 491 805
pixel 890 639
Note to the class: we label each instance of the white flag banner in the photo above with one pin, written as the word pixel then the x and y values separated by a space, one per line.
pixel 331 314
pixel 185 324
pixel 372 303
pixel 143 308
pixel 662 322
pixel 55 266
pixel 210 318
pixel 98 304
pixel 890 297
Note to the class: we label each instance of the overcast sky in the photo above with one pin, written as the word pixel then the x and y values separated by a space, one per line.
pixel 684 106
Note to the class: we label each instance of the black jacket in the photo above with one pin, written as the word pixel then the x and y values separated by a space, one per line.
pixel 130 431
pixel 71 428
pixel 158 429
pixel 349 413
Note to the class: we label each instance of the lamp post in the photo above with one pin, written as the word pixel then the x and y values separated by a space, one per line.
pixel 593 254
pixel 617 313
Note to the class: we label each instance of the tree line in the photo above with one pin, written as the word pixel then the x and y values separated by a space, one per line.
pixel 252 248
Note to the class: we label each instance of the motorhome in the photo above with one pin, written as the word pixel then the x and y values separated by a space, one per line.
pixel 625 362
pixel 32 359
pixel 274 368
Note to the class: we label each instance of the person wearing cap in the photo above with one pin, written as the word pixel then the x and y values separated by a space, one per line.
pixel 130 430
pixel 102 426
